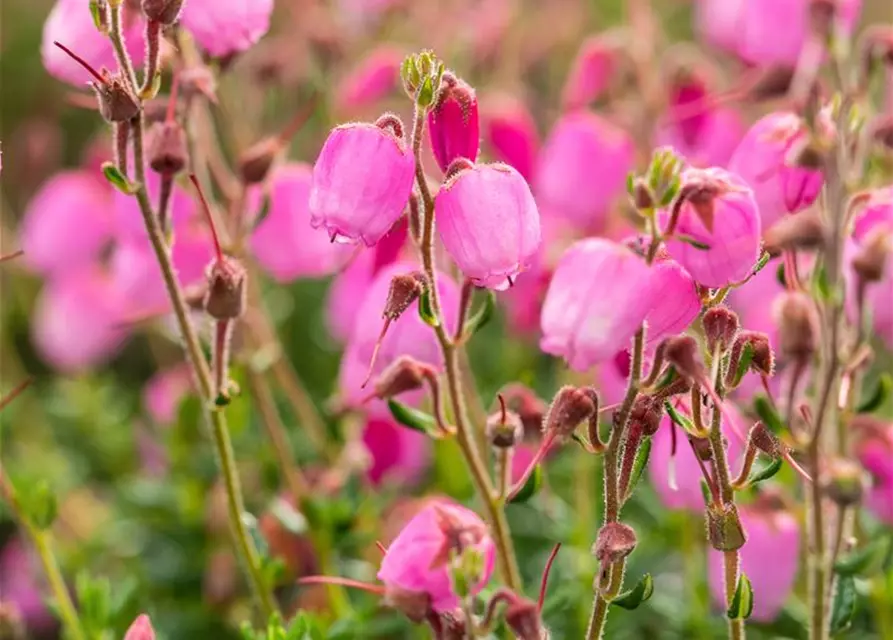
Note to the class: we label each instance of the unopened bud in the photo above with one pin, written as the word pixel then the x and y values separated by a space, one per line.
pixel 615 541
pixel 702 448
pixel 256 162
pixel 720 327
pixel 870 262
pixel 642 196
pixel 529 407
pixel 504 428
pixel 404 290
pixel 844 482
pixel 724 528
pixel 402 375
pixel 164 11
pixel 166 148
pixel 523 618
pixel 570 407
pixel 415 605
pixel 765 440
pixel 453 122
pixel 798 326
pixel 116 102
pixel 763 358
pixel 682 352
pixel 802 231
pixel 646 413
pixel 226 295
pixel 140 629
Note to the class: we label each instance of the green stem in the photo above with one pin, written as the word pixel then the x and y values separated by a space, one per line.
pixel 731 569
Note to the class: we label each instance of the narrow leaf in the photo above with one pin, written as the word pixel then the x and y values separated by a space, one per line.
pixel 744 362
pixel 530 488
pixel 705 492
pixel 844 605
pixel 426 312
pixel 41 505
pixel 742 602
pixel 878 395
pixel 768 414
pixel 865 561
pixel 764 473
pixel 413 418
pixel 118 179
pixel 678 418
pixel 632 598
pixel 483 316
pixel 687 239
pixel 639 465
pixel 264 211
pixel 780 275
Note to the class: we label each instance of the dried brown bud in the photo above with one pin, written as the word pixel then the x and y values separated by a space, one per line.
pixel 802 231
pixel 765 440
pixel 226 295
pixel 615 541
pixel 404 290
pixel 256 162
pixel 570 407
pixel 166 148
pixel 720 327
pixel 116 102
pixel 164 11
pixel 404 374
pixel 724 528
pixel 646 413
pixel 415 605
pixel 798 326
pixel 844 482
pixel 504 428
pixel 870 262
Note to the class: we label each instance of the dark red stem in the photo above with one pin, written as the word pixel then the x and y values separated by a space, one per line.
pixel 207 209
pixel 343 582
pixel 86 65
pixel 545 581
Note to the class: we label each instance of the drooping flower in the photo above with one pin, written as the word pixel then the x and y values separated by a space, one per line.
pixel 454 123
pixel 361 183
pixel 489 223
pixel 721 217
pixel 763 161
pixel 769 559
pixel 594 304
pixel 582 168
pixel 69 21
pixel 511 134
pixel 417 561
pixel 224 27
pixel 397 454
pixel 283 243
pixel 675 299
pixel 67 223
pixel 377 75
pixel 164 391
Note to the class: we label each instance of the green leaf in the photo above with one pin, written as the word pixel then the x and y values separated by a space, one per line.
pixel 742 602
pixel 687 239
pixel 767 413
pixel 705 492
pixel 632 598
pixel 678 418
pixel 780 275
pixel 426 311
pixel 744 362
pixel 98 17
pixel 844 606
pixel 865 561
pixel 766 472
pixel 152 90
pixel 40 503
pixel 822 286
pixel 639 465
pixel 413 418
pixel 118 179
pixel 878 395
pixel 264 211
pixel 483 316
pixel 425 96
pixel 530 488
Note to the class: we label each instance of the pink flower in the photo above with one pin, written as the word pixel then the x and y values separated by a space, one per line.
pixel 583 168
pixel 612 377
pixel 511 134
pixel 763 161
pixel 722 216
pixel 717 22
pixel 594 304
pixel 67 222
pixel 590 74
pixel 164 392
pixel 876 455
pixel 283 243
pixel 140 629
pixel 76 320
pixel 361 183
pixel 399 455
pixel 19 587
pixel 488 222
pixel 675 299
pixel 224 27
pixel 769 558
pixel 70 23
pixel 453 123
pixel 372 80
pixel 418 559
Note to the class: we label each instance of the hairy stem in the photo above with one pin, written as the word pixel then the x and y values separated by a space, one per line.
pixel 731 569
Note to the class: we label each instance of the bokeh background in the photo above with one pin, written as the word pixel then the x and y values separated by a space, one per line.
pixel 160 537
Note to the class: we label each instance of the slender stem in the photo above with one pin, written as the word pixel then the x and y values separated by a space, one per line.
pixel 165 191
pixel 122 138
pixel 503 471
pixel 116 35
pixel 43 543
pixel 153 56
pixel 731 569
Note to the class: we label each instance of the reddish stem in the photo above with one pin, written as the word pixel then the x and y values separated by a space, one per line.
pixel 502 407
pixel 172 99
pixel 545 445
pixel 381 547
pixel 343 582
pixel 86 65
pixel 207 210
pixel 10 256
pixel 545 581
pixel 15 393
pixel 384 330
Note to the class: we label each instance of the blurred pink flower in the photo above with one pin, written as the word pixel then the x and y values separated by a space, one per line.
pixel 489 223
pixel 454 123
pixel 70 23
pixel 399 455
pixel 590 74
pixel 164 392
pixel 77 320
pixel 346 295
pixel 19 587
pixel 723 217
pixel 717 22
pixel 510 132
pixel 875 452
pixel 361 183
pixel 373 79
pixel 582 169
pixel 674 296
pixel 140 629
pixel 67 223
pixel 284 244
pixel 224 27
pixel 762 161
pixel 594 304
pixel 417 560
pixel 769 558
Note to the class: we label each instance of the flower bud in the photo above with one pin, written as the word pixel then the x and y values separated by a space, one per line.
pixel 504 429
pixel 870 262
pixel 255 163
pixel 683 354
pixel 570 407
pixel 646 413
pixel 720 327
pixel 523 618
pixel 798 325
pixel 404 374
pixel 765 440
pixel 642 197
pixel 166 148
pixel 802 231
pixel 167 12
pixel 116 101
pixel 763 360
pixel 453 123
pixel 822 14
pixel 530 408
pixel 702 448
pixel 140 629
pixel 404 290
pixel 226 295
pixel 844 482
pixel 615 541
pixel 724 529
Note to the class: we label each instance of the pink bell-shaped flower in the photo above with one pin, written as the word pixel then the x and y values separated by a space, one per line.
pixel 376 76
pixel 67 222
pixel 398 455
pixel 283 243
pixel 70 22
pixel 582 168
pixel 510 132
pixel 675 300
pixel 489 223
pixel 361 182
pixel 595 302
pixel 418 559
pixel 763 161
pixel 453 123
pixel 224 27
pixel 717 234
pixel 769 558
pixel 164 392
